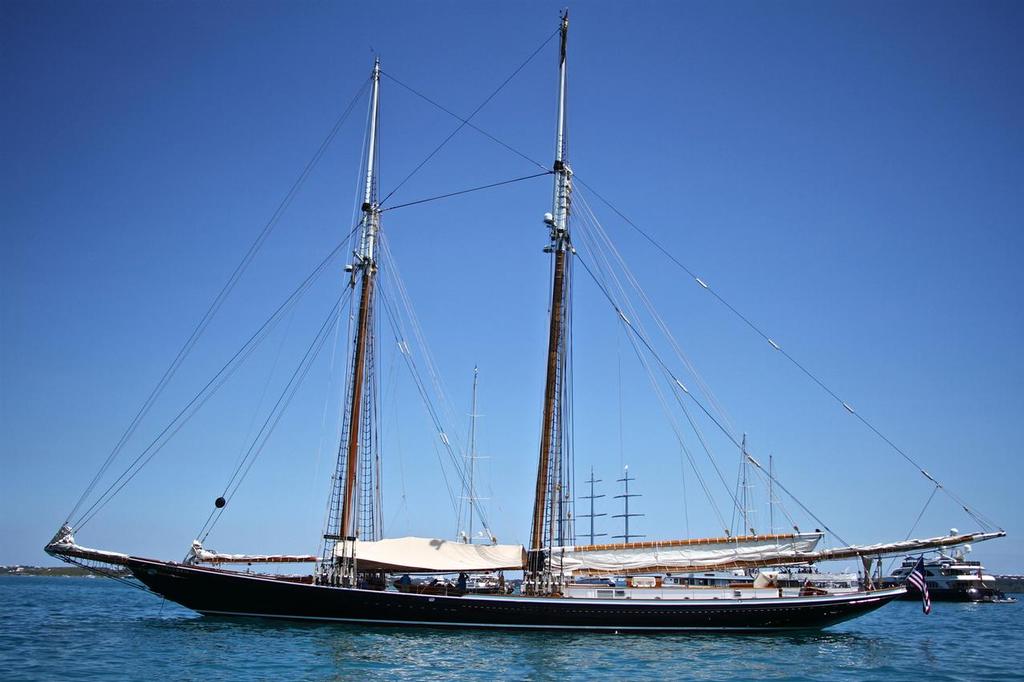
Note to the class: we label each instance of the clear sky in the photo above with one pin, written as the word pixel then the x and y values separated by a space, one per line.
pixel 849 175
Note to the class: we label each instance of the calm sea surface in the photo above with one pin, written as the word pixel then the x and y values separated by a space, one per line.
pixel 97 629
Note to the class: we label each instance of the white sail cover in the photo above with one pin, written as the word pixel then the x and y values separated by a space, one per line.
pixel 684 555
pixel 208 556
pixel 431 555
pixel 905 546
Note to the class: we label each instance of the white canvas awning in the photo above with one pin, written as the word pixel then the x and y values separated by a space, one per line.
pixel 431 555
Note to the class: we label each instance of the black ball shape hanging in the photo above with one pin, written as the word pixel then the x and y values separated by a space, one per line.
pixel 219 503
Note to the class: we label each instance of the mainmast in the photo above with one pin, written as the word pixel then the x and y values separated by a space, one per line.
pixel 358 415
pixel 550 470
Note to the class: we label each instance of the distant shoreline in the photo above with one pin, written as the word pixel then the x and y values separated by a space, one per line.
pixel 52 571
pixel 1009 583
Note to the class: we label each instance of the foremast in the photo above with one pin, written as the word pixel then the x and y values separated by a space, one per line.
pixel 549 519
pixel 353 503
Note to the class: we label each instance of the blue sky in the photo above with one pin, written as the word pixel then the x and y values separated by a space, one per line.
pixel 849 175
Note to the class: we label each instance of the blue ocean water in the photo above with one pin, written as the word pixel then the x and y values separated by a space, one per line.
pixel 82 628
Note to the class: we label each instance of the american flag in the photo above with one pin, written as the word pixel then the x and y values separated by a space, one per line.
pixel 916 578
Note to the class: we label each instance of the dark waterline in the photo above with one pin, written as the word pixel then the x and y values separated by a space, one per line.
pixel 91 628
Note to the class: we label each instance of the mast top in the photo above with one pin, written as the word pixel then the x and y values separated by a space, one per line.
pixel 559 220
pixel 371 209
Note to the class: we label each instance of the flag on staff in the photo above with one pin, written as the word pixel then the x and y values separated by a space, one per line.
pixel 916 578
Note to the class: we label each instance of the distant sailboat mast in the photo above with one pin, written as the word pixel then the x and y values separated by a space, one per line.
pixel 471 458
pixel 745 497
pixel 592 515
pixel 472 455
pixel 626 515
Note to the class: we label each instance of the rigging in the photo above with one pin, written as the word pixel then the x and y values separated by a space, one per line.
pixel 219 299
pixel 699 404
pixel 974 514
pixel 274 416
pixel 464 122
pixel 207 390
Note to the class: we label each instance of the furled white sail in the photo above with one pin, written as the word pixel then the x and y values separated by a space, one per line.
pixel 739 552
pixel 905 546
pixel 432 555
pixel 63 545
pixel 208 556
pixel 684 555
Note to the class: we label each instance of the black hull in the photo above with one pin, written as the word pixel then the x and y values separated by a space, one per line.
pixel 223 593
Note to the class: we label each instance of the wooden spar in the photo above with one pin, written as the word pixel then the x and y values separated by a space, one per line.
pixel 550 395
pixel 686 542
pixel 348 499
pixel 726 565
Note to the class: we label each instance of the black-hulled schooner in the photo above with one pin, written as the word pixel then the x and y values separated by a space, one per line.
pixel 350 581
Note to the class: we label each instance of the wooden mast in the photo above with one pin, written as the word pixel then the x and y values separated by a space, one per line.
pixel 365 268
pixel 355 409
pixel 550 397
pixel 551 429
